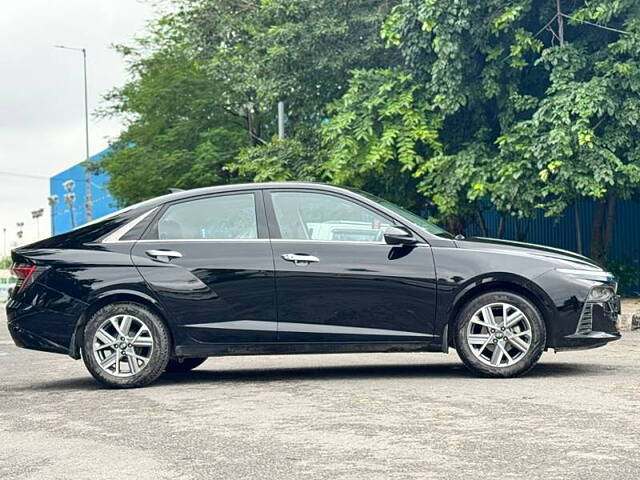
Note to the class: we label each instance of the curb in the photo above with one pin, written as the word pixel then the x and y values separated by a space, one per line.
pixel 629 319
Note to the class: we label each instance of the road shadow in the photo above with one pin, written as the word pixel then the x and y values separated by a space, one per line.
pixel 208 374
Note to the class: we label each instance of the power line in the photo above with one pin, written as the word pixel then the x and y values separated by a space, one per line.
pixel 24 175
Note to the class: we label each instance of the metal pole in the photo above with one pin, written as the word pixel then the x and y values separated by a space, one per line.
pixel 281 120
pixel 87 180
pixel 87 175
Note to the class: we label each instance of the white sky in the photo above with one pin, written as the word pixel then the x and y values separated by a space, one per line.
pixel 41 93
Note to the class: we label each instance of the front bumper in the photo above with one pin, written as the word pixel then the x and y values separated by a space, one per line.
pixel 597 326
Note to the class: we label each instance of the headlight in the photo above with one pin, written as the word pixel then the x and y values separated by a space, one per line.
pixel 600 294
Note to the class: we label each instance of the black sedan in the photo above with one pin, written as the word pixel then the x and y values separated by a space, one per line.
pixel 296 268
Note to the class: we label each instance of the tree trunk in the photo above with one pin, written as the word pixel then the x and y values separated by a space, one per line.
pixel 578 227
pixel 522 229
pixel 501 225
pixel 597 237
pixel 611 222
pixel 455 224
pixel 481 223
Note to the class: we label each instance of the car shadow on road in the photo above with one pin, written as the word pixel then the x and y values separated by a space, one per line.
pixel 208 374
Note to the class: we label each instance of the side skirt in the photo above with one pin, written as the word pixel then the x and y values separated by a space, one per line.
pixel 285 348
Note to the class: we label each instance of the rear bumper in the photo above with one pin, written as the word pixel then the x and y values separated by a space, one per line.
pixel 26 339
pixel 43 319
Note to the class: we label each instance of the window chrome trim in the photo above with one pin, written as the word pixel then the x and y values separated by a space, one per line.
pixel 202 240
pixel 115 237
pixel 348 242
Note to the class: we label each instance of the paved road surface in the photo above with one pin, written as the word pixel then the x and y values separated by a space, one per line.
pixel 365 416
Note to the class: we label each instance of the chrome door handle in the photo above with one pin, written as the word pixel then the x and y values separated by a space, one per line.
pixel 300 259
pixel 164 255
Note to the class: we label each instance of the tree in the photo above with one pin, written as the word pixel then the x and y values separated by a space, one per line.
pixel 206 79
pixel 178 133
pixel 487 106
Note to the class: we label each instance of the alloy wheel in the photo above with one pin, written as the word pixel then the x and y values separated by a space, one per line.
pixel 123 345
pixel 499 334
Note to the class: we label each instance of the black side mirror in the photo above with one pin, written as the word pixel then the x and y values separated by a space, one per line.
pixel 399 236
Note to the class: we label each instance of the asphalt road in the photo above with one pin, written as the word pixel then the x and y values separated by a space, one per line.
pixel 360 416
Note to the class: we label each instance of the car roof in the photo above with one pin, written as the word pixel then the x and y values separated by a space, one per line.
pixel 196 192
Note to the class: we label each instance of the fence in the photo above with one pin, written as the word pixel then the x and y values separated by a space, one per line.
pixel 561 233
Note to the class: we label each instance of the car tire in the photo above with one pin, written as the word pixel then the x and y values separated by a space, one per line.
pixel 490 349
pixel 150 350
pixel 187 364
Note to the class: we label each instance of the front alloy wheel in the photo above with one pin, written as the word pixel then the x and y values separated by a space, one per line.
pixel 500 334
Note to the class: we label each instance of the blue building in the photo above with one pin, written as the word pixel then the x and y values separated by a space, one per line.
pixel 64 216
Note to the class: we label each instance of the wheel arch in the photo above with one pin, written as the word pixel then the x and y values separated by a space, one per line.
pixel 107 298
pixel 503 283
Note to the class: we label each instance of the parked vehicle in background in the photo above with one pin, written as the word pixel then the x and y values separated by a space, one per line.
pixel 6 284
pixel 297 268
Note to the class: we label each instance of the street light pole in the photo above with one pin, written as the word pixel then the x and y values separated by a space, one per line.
pixel 36 214
pixel 87 173
pixel 53 201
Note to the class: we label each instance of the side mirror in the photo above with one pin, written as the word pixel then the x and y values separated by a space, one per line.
pixel 399 236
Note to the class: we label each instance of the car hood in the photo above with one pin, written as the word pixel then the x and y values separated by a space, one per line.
pixel 529 249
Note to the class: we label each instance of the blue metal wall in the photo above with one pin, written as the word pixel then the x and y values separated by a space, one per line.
pixel 561 233
pixel 103 203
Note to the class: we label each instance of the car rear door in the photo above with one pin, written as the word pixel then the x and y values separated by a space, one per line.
pixel 336 278
pixel 209 261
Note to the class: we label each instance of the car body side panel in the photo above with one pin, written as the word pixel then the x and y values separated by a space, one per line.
pixel 462 271
pixel 72 280
pixel 559 297
pixel 218 292
pixel 356 292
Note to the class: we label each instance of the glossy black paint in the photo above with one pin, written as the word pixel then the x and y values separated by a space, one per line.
pixel 356 285
pixel 412 290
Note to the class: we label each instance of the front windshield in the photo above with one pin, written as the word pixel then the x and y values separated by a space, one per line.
pixel 417 220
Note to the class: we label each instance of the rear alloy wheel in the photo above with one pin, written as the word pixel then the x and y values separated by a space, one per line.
pixel 500 334
pixel 125 345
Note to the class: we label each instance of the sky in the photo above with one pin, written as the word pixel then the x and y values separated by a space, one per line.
pixel 42 97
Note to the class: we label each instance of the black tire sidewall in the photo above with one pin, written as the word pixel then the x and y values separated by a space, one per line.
pixel 159 356
pixel 538 331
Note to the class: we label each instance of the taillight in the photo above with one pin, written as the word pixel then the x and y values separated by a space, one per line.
pixel 24 273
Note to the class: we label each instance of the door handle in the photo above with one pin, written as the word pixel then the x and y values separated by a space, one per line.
pixel 164 255
pixel 300 259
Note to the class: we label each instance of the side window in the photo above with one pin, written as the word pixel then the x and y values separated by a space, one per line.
pixel 317 216
pixel 220 217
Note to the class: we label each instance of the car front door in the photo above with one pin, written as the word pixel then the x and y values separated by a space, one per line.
pixel 336 278
pixel 209 261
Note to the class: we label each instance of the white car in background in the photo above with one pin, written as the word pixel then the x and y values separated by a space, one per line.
pixel 5 291
pixel 7 282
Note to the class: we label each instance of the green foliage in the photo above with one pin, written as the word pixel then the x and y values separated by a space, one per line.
pixel 280 161
pixel 5 263
pixel 628 274
pixel 504 113
pixel 456 105
pixel 206 80
pixel 178 133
